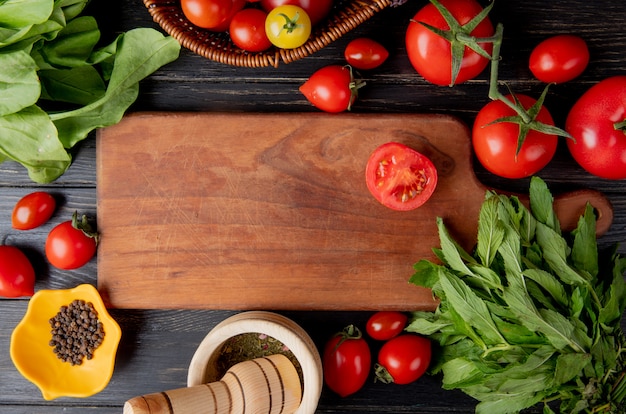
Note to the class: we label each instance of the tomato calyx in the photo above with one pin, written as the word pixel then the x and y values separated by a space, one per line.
pixel 527 119
pixel 348 333
pixel 84 226
pixel 460 36
pixel 355 84
pixel 290 24
pixel 620 126
pixel 382 375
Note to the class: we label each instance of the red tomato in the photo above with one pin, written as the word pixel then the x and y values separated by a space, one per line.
pixel 71 244
pixel 597 121
pixel 363 53
pixel 207 14
pixel 346 361
pixel 403 359
pixel 17 276
pixel 559 59
pixel 331 88
pixel 431 54
pixel 385 325
pixel 225 25
pixel 247 30
pixel 32 210
pixel 495 145
pixel 400 177
pixel 316 9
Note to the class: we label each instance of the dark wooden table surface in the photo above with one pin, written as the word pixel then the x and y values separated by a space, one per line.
pixel 157 345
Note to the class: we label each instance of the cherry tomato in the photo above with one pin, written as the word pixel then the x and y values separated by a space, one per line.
pixel 385 325
pixel 332 88
pixel 316 9
pixel 346 361
pixel 403 359
pixel 597 121
pixel 288 27
pixel 17 276
pixel 495 145
pixel 400 177
pixel 363 53
pixel 431 54
pixel 559 59
pixel 71 244
pixel 237 6
pixel 247 30
pixel 207 14
pixel 32 210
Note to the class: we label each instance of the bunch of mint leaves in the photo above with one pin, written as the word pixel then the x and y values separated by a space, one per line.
pixel 531 315
pixel 51 58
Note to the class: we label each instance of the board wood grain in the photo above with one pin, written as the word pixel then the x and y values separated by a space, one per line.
pixel 271 211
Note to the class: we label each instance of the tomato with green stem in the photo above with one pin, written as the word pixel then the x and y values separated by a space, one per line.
pixel 559 59
pixel 17 276
pixel 71 244
pixel 597 122
pixel 346 361
pixel 288 26
pixel 449 41
pixel 496 138
pixel 399 177
pixel 403 359
pixel 333 88
pixel 33 210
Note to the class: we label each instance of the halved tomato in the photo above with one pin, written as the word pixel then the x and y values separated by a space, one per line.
pixel 400 177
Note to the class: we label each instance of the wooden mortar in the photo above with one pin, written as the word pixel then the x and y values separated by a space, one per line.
pixel 203 367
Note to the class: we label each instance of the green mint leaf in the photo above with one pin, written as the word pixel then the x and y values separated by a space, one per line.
pixel 490 231
pixel 585 245
pixel 549 284
pixel 541 204
pixel 453 254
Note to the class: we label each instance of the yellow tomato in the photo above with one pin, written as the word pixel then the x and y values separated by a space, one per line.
pixel 288 26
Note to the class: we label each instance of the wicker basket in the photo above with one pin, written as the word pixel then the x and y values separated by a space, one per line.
pixel 344 17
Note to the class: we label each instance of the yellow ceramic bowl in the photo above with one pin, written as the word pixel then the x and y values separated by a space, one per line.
pixel 34 357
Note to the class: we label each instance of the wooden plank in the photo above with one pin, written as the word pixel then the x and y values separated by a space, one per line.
pixel 270 211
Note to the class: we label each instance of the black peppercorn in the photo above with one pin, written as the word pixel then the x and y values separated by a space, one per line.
pixel 76 332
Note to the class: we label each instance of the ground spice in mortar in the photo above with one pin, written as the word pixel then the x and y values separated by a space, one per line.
pixel 76 332
pixel 251 345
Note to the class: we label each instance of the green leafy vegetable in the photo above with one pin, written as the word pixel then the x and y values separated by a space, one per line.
pixel 532 315
pixel 59 85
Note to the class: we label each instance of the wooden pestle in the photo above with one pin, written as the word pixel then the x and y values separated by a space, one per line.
pixel 262 385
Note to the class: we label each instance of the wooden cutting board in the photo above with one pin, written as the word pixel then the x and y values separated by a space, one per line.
pixel 271 211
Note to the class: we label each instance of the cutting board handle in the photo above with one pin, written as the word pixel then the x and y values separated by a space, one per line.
pixel 571 205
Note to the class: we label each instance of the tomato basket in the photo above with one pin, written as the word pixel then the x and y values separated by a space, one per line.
pixel 344 16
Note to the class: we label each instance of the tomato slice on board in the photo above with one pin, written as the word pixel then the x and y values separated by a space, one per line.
pixel 400 177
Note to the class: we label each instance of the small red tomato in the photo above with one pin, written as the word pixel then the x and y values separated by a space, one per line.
pixel 363 53
pixel 247 30
pixel 559 59
pixel 71 244
pixel 346 361
pixel 207 14
pixel 316 9
pixel 495 145
pixel 403 359
pixel 400 177
pixel 32 210
pixel 332 88
pixel 385 325
pixel 597 121
pixel 17 276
